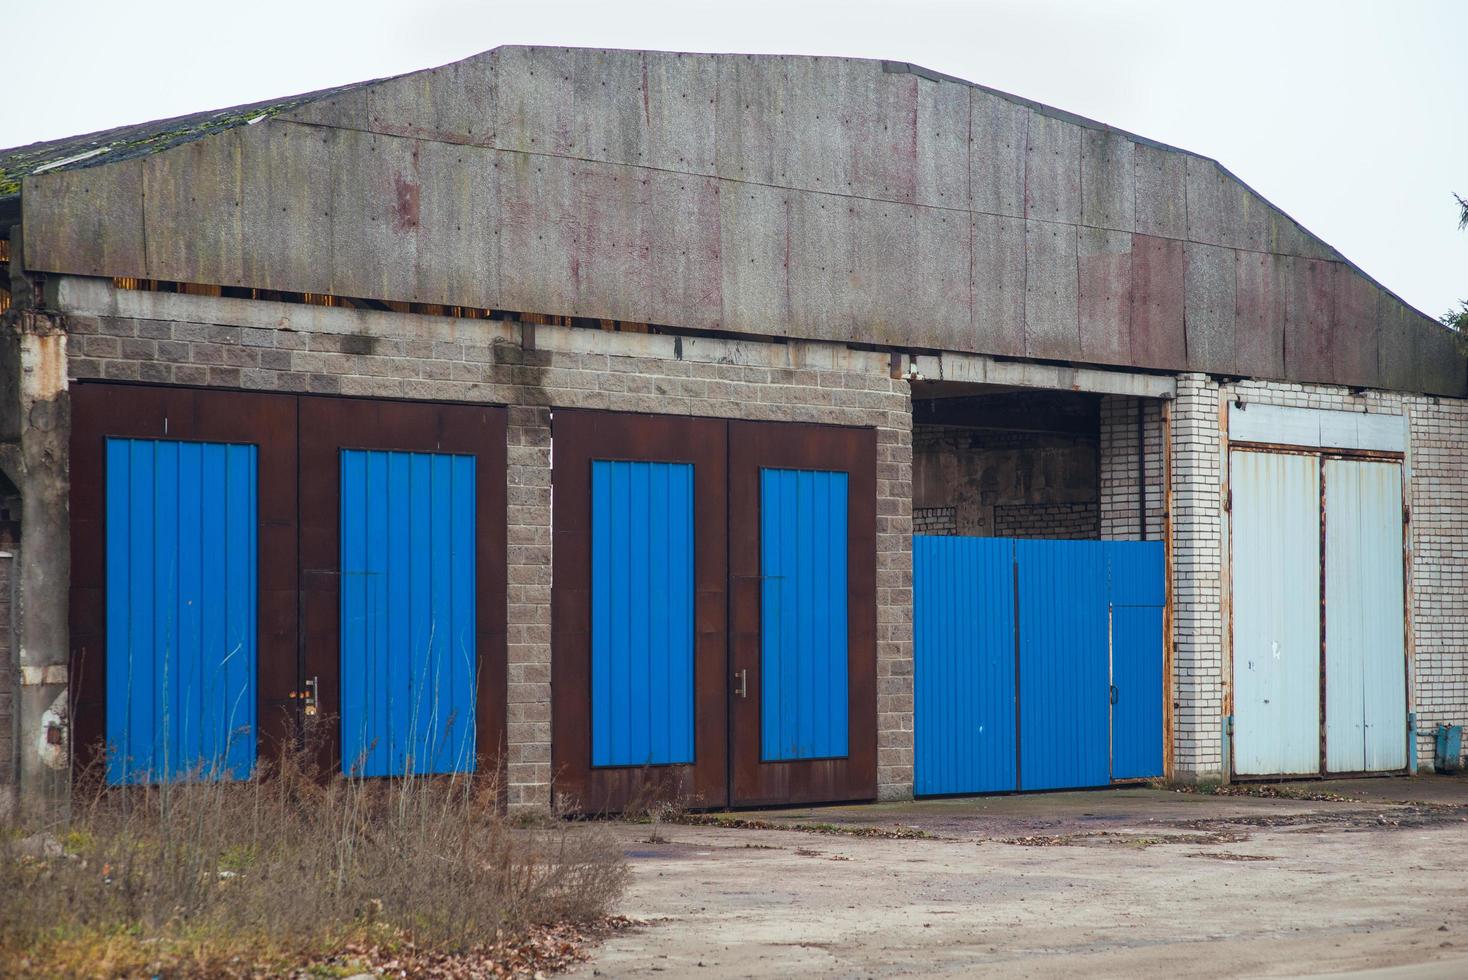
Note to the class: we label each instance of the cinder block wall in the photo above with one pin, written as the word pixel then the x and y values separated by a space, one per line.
pixel 1437 494
pixel 181 339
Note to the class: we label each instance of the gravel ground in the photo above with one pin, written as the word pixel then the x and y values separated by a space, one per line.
pixel 1368 875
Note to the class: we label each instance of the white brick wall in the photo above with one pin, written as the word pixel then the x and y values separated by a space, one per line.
pixel 1197 555
pixel 1120 497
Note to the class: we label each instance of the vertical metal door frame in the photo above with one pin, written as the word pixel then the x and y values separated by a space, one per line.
pixel 581 436
pixel 1320 455
pixel 1234 660
pixel 1387 460
pixel 330 424
pixel 757 445
pixel 267 421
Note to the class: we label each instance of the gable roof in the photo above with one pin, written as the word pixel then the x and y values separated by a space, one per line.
pixel 139 139
pixel 823 198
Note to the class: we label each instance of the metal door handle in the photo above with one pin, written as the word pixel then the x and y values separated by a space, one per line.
pixel 1113 694
pixel 741 688
pixel 313 691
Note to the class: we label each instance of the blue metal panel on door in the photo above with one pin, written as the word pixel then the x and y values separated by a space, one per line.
pixel 964 683
pixel 641 613
pixel 181 599
pixel 1136 582
pixel 803 624
pixel 1136 573
pixel 1365 657
pixel 1063 682
pixel 408 643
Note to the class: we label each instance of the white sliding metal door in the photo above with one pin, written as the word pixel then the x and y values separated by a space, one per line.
pixel 1365 646
pixel 1276 612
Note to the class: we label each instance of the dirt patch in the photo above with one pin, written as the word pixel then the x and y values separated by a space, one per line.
pixel 1265 791
pixel 1229 856
pixel 839 830
pixel 1116 839
pixel 542 950
pixel 1414 816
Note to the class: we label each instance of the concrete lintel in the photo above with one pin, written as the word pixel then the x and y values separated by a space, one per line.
pixel 98 297
pixel 978 369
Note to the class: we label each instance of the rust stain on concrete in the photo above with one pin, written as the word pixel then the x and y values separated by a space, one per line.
pixel 405 209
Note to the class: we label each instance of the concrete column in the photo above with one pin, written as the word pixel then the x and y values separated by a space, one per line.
pixel 1197 586
pixel 38 467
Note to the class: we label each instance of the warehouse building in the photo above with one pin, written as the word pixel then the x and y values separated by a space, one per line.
pixel 751 429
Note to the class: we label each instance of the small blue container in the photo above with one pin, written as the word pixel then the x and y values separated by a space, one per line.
pixel 1448 756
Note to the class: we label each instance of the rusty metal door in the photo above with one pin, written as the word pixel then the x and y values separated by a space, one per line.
pixel 414 721
pixel 779 591
pixel 602 685
pixel 292 599
pixel 175 417
pixel 803 647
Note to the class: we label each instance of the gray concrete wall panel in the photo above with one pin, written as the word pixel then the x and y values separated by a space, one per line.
pixel 998 285
pixel 1158 271
pixel 288 180
pixel 998 141
pixel 1353 330
pixel 536 232
pixel 1051 329
pixel 681 96
pixel 1161 191
pixel 1259 313
pixel 196 178
pixel 754 237
pixel 1398 356
pixel 1211 283
pixel 1108 180
pixel 1105 283
pixel 452 104
pixel 1053 170
pixel 1309 347
pixel 459 214
pixel 938 302
pixel 375 187
pixel 86 221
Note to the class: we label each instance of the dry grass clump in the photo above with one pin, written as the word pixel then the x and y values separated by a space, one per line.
pixel 286 870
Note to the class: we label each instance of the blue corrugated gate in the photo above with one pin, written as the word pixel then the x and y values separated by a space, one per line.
pixel 1038 664
pixel 1138 591
pixel 802 614
pixel 181 599
pixel 641 613
pixel 1063 692
pixel 964 698
pixel 407 613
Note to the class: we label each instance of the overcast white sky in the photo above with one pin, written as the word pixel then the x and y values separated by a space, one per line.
pixel 1350 115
